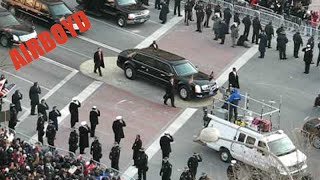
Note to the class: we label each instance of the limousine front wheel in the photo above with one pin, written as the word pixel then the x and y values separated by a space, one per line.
pixel 12 10
pixel 129 72
pixel 184 92
pixel 4 41
pixel 121 21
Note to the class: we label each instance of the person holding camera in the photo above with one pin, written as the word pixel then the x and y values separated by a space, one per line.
pixel 193 163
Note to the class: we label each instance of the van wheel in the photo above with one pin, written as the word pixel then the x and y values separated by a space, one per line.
pixel 184 92
pixel 129 72
pixel 4 41
pixel 12 10
pixel 121 21
pixel 225 155
pixel 316 142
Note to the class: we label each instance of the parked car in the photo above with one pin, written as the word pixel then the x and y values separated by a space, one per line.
pixel 123 11
pixel 45 12
pixel 158 66
pixel 12 32
pixel 311 130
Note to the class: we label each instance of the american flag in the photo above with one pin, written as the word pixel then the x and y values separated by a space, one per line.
pixel 7 89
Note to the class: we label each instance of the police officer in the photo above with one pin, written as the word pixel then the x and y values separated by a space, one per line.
pixel 73 141
pixel 16 98
pixel 169 93
pixel 166 169
pixel 282 41
pixel 307 58
pixel 256 30
pixel 96 150
pixel 269 32
pixel 13 117
pixel 263 43
pixel 34 92
pixel 40 127
pixel 84 131
pixel 142 165
pixel 247 23
pixel 297 41
pixel 117 128
pixel 208 11
pixel 94 120
pixel 227 17
pixel 42 108
pixel 74 112
pixel 114 156
pixel 165 144
pixel 187 12
pixel 232 171
pixel 51 134
pixel 193 163
pixel 186 174
pixel 177 7
pixel 279 31
pixel 53 116
pixel 137 145
pixel 199 8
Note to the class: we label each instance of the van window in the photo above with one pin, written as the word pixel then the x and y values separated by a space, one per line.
pixel 29 3
pixel 241 137
pixel 250 140
pixel 262 145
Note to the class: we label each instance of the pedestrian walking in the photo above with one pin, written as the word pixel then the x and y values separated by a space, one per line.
pixel 187 12
pixel 177 6
pixel 96 150
pixel 13 117
pixel 98 61
pixel 282 41
pixel 34 92
pixel 84 131
pixel 232 171
pixel 157 4
pixel 193 164
pixel 51 135
pixel 223 30
pixel 227 17
pixel 16 98
pixel 256 25
pixel 279 31
pixel 318 61
pixel 114 156
pixel 165 144
pixel 137 145
pixel 216 24
pixel 233 101
pixel 142 165
pixel 247 23
pixel 164 12
pixel 74 112
pixel 208 11
pixel 269 32
pixel 263 43
pixel 297 41
pixel 117 128
pixel 53 116
pixel 204 176
pixel 42 108
pixel 234 78
pixel 40 127
pixel 186 174
pixel 94 120
pixel 166 169
pixel 234 34
pixel 199 8
pixel 169 93
pixel 73 141
pixel 236 19
pixel 307 58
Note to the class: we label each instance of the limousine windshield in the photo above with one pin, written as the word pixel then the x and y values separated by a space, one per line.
pixel 185 69
pixel 59 10
pixel 8 20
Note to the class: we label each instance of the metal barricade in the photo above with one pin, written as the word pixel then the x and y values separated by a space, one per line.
pixel 265 18
pixel 261 8
pixel 223 4
pixel 246 11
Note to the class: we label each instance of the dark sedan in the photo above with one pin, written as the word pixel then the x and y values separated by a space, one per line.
pixel 311 130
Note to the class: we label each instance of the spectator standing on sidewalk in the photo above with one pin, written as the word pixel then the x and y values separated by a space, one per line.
pixel 193 164
pixel 74 111
pixel 208 10
pixel 117 128
pixel 34 92
pixel 16 98
pixel 137 145
pixel 166 169
pixel 234 34
pixel 307 58
pixel 94 120
pixel 263 43
pixel 269 32
pixel 73 141
pixel 297 42
pixel 247 23
pixel 227 17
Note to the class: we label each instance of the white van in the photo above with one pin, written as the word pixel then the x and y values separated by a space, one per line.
pixel 276 142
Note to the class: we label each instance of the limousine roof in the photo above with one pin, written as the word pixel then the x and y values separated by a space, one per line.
pixel 161 54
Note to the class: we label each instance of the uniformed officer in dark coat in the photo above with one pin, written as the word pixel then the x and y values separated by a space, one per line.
pixel 263 43
pixel 98 61
pixel 234 78
pixel 34 92
pixel 117 128
pixel 42 108
pixel 51 134
pixel 256 25
pixel 282 41
pixel 188 12
pixel 114 156
pixel 74 113
pixel 96 150
pixel 40 127
pixel 169 93
pixel 166 169
pixel 177 7
pixel 199 8
pixel 307 58
pixel 269 32
pixel 311 42
pixel 94 120
pixel 208 11
pixel 142 165
pixel 13 117
pixel 164 12
pixel 84 131
pixel 279 31
pixel 223 30
pixel 227 17
pixel 236 19
pixel 186 174
pixel 193 163
pixel 16 98
pixel 137 145
pixel 73 141
pixel 157 4
pixel 247 23
pixel 53 116
pixel 297 41
pixel 165 144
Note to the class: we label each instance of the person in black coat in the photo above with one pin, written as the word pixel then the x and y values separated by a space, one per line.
pixel 223 30
pixel 16 98
pixel 208 11
pixel 96 150
pixel 51 134
pixel 234 78
pixel 40 127
pixel 74 113
pixel 297 41
pixel 217 9
pixel 307 58
pixel 177 6
pixel 279 31
pixel 263 43
pixel 188 12
pixel 114 156
pixel 247 23
pixel 117 128
pixel 282 41
pixel 42 108
pixel 142 165
pixel 157 4
pixel 166 169
pixel 84 131
pixel 256 25
pixel 227 17
pixel 164 12
pixel 34 92
pixel 186 174
pixel 53 116
pixel 169 93
pixel 13 117
pixel 236 19
pixel 318 61
pixel 98 61
pixel 199 8
pixel 269 32
pixel 73 141
pixel 94 120
pixel 165 144
pixel 193 163
pixel 137 145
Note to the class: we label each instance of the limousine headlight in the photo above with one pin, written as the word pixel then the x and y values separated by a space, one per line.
pixel 131 16
pixel 15 37
pixel 197 89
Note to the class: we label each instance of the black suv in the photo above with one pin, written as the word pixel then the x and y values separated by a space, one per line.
pixel 13 32
pixel 45 12
pixel 125 11
pixel 158 66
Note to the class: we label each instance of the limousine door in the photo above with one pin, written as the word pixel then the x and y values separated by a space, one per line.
pixel 109 7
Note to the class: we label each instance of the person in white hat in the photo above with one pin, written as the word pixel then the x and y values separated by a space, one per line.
pixel 307 58
pixel 74 113
pixel 94 120
pixel 117 128
pixel 84 131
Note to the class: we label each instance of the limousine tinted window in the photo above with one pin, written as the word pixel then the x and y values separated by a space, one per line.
pixel 59 9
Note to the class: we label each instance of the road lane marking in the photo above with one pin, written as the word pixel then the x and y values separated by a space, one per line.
pixel 99 44
pixel 57 63
pixel 155 147
pixel 88 91
pixel 75 52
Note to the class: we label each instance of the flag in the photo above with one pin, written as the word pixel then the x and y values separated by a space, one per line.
pixel 7 89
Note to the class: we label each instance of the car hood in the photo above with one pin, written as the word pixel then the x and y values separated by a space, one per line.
pixel 19 30
pixel 199 78
pixel 132 8
pixel 293 158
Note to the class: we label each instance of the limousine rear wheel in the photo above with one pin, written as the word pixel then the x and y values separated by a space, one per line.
pixel 12 10
pixel 184 92
pixel 129 72
pixel 121 21
pixel 225 155
pixel 316 142
pixel 4 41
